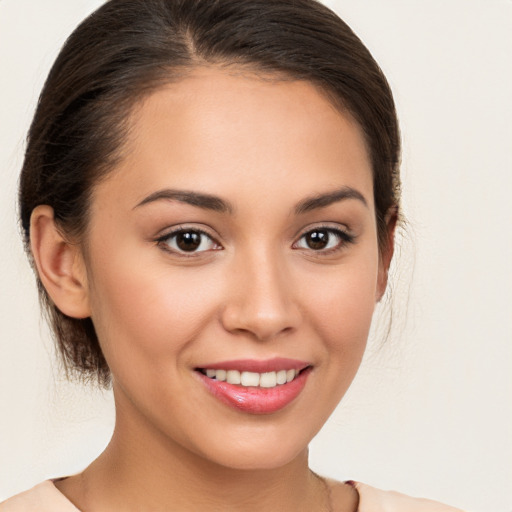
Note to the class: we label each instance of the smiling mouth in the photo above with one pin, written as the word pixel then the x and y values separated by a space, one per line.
pixel 256 386
pixel 252 379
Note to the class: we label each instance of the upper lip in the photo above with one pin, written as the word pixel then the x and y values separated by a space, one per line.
pixel 258 366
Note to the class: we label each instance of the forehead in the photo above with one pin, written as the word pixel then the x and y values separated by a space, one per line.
pixel 223 132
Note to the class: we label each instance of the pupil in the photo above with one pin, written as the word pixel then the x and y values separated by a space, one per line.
pixel 317 239
pixel 188 241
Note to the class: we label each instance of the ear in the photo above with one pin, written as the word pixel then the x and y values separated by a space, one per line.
pixel 59 264
pixel 387 253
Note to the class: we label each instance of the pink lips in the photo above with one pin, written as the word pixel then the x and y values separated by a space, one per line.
pixel 257 400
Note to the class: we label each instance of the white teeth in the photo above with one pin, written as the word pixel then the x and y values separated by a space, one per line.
pixel 250 379
pixel 290 375
pixel 233 377
pixel 268 380
pixel 281 377
pixel 253 379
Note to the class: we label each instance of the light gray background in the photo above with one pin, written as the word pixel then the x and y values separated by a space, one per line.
pixel 430 413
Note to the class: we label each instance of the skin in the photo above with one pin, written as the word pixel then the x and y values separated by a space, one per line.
pixel 256 291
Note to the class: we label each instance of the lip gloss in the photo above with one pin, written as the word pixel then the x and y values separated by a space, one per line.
pixel 255 399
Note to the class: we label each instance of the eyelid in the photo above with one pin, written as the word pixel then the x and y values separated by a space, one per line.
pixel 170 230
pixel 329 226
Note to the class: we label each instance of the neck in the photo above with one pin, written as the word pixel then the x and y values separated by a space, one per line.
pixel 142 469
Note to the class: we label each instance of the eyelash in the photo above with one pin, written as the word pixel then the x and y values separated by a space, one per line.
pixel 343 237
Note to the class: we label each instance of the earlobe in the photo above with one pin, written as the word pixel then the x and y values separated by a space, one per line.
pixel 59 264
pixel 386 253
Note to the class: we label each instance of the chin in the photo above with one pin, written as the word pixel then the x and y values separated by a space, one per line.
pixel 258 452
pixel 259 460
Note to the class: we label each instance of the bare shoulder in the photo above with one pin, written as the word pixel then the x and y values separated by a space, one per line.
pixel 343 497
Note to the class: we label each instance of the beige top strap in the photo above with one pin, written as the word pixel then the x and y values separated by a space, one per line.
pixel 376 500
pixel 44 497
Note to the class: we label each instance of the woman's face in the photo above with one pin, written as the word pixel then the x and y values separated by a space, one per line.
pixel 237 236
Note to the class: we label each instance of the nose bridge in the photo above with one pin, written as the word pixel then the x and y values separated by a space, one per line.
pixel 261 299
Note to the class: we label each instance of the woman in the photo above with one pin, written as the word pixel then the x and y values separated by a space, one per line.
pixel 209 197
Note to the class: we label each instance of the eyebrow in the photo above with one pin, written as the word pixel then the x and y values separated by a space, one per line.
pixel 206 201
pixel 215 203
pixel 324 200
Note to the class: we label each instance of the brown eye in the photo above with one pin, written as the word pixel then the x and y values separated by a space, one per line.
pixel 189 240
pixel 318 239
pixel 324 239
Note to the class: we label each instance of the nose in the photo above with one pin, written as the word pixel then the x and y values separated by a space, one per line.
pixel 261 299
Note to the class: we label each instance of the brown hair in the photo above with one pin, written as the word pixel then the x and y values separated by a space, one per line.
pixel 127 48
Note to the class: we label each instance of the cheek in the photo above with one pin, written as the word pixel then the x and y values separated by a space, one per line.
pixel 343 310
pixel 148 312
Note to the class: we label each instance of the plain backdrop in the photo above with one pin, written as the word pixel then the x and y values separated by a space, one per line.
pixel 430 413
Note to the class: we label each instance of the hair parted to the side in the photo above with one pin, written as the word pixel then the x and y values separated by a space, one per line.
pixel 126 49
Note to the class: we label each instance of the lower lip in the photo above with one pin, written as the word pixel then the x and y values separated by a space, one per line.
pixel 256 400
